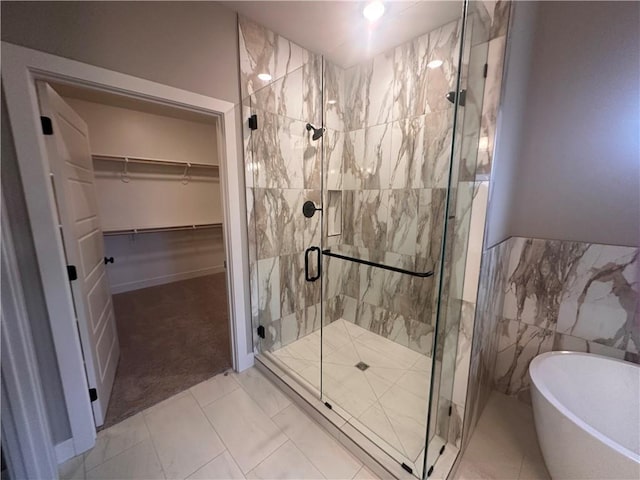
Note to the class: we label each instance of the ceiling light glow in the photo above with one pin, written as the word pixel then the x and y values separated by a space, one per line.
pixel 373 11
pixel 434 64
pixel 265 77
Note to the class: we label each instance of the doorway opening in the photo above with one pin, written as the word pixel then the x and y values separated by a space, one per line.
pixel 138 198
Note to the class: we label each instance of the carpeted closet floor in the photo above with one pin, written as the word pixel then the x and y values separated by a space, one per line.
pixel 172 337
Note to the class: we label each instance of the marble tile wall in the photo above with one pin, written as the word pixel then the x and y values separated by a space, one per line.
pixel 282 171
pixel 565 296
pixel 474 353
pixel 392 169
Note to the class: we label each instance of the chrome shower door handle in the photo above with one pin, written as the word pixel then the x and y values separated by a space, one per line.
pixel 307 276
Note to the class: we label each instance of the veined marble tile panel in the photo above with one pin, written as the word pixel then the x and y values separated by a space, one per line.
pixel 334 96
pixel 410 84
pixel 292 283
pixel 438 136
pixel 431 217
pixel 369 89
pixel 279 222
pixel 402 223
pixel 407 152
pixel 263 51
pixel 444 44
pixel 279 147
pixel 333 145
pixel 268 289
pixel 490 103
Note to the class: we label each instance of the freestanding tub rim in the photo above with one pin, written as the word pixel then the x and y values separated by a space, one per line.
pixel 535 373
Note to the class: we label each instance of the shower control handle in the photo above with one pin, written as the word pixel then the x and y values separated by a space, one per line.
pixel 309 209
pixel 307 252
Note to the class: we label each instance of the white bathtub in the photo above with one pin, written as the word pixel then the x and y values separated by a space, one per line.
pixel 587 415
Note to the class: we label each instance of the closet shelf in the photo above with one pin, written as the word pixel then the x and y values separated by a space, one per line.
pixel 154 161
pixel 131 231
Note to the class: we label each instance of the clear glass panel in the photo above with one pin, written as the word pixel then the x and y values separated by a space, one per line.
pixel 284 167
pixel 387 164
pixel 455 312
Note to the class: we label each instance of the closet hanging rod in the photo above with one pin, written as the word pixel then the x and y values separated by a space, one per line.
pixel 154 161
pixel 131 231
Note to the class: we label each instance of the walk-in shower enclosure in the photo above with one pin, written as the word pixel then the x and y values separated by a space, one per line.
pixel 359 299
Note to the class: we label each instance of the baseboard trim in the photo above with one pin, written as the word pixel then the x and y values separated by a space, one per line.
pixel 175 277
pixel 65 450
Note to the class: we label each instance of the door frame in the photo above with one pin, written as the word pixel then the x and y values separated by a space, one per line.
pixel 21 67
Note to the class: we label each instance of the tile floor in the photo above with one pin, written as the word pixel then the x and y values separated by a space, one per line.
pixel 231 426
pixel 387 401
pixel 504 445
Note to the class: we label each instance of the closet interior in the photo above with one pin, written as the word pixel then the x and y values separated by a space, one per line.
pixel 157 188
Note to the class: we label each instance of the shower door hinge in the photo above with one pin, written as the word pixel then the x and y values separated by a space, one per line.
pixel 72 272
pixel 486 70
pixel 442 450
pixel 450 410
pixel 253 122
pixel 407 468
pixel 328 405
pixel 261 333
pixel 430 471
pixel 93 394
pixel 47 125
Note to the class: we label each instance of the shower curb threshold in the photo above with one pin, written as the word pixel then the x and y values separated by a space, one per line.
pixel 370 454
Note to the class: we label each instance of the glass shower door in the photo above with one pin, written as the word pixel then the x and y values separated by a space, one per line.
pixel 283 158
pixel 391 170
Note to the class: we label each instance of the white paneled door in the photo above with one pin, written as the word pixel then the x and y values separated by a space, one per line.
pixel 75 194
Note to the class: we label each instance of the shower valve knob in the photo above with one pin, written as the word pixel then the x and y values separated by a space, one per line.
pixel 309 209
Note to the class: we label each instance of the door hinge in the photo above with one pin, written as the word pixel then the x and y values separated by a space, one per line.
pixel 47 125
pixel 450 410
pixel 261 331
pixel 72 272
pixel 486 70
pixel 93 394
pixel 253 122
pixel 407 468
pixel 442 450
pixel 328 405
pixel 430 471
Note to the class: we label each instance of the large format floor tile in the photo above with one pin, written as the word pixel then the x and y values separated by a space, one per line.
pixel 218 430
pixel 248 433
pixel 287 462
pixel 504 444
pixel 183 437
pixel 326 454
pixel 140 461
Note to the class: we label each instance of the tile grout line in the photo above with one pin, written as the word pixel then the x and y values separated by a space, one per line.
pixel 226 448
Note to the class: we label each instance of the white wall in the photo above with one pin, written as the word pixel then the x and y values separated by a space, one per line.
pixel 124 131
pixel 155 196
pixel 148 259
pixel 575 173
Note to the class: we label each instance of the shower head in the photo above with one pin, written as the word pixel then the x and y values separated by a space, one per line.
pixel 317 132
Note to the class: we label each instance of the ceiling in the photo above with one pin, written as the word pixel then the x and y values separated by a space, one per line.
pixel 337 29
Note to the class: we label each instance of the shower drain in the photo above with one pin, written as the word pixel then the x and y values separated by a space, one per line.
pixel 362 366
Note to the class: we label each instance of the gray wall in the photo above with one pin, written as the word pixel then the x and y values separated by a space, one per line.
pixel 192 46
pixel 189 45
pixel 574 174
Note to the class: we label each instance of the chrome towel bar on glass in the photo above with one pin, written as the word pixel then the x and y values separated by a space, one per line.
pixel 378 265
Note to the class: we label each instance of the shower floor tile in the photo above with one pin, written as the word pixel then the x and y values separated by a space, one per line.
pixel 387 400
